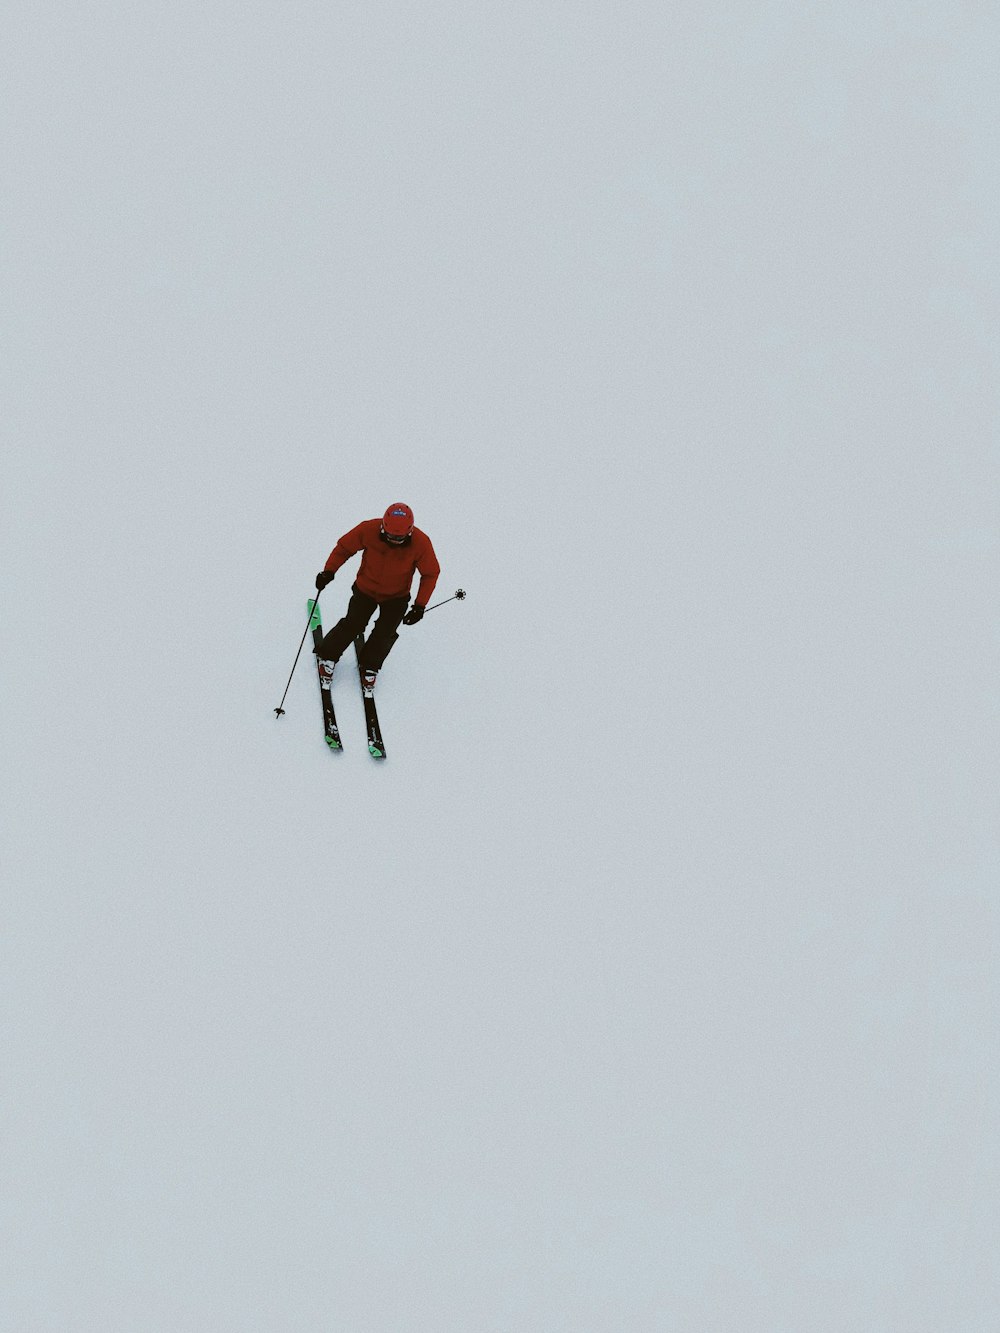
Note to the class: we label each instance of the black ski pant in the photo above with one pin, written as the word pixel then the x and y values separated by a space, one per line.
pixel 360 610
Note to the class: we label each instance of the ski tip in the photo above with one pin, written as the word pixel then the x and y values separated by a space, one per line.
pixel 334 745
pixel 375 752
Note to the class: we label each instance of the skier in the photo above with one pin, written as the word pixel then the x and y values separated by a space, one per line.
pixel 392 550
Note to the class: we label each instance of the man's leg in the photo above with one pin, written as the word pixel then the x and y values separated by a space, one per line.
pixel 384 635
pixel 360 609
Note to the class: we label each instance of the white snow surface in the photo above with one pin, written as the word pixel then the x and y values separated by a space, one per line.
pixel 651 982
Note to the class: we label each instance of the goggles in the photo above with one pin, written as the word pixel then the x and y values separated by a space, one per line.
pixel 395 540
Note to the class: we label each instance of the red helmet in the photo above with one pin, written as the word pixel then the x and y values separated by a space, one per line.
pixel 397 522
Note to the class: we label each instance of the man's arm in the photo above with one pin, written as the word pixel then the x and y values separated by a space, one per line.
pixel 348 545
pixel 428 569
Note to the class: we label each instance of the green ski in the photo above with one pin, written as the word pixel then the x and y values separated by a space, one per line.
pixel 375 746
pixel 331 734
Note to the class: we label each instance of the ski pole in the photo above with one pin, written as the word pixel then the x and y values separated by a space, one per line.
pixel 279 711
pixel 459 594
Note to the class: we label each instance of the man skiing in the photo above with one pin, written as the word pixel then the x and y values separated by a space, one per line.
pixel 392 549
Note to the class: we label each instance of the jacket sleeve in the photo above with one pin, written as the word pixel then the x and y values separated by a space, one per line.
pixel 429 569
pixel 348 545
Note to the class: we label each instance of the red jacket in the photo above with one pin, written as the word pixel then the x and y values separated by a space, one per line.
pixel 387 571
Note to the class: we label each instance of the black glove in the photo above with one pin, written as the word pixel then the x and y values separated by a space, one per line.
pixel 414 615
pixel 324 577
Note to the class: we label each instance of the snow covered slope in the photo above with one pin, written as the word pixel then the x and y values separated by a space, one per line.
pixel 650 983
